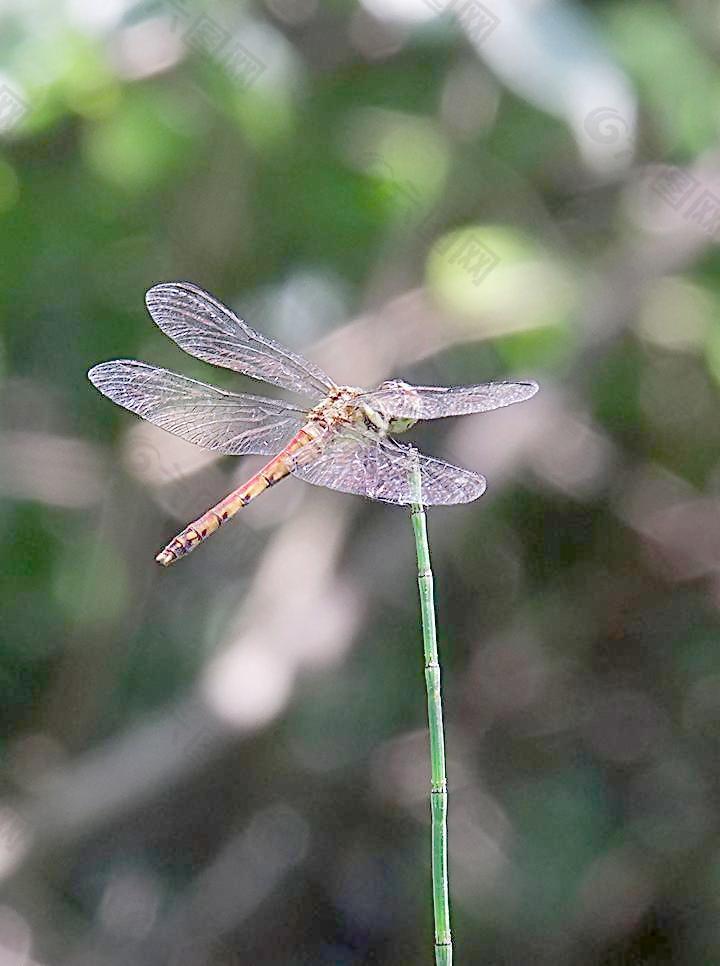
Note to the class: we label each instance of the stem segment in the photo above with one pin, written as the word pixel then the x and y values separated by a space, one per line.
pixel 438 781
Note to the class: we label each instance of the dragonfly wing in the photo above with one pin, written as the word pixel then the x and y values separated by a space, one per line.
pixel 206 328
pixel 402 401
pixel 229 422
pixel 379 468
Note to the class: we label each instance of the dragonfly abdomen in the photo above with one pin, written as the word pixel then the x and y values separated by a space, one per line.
pixel 199 530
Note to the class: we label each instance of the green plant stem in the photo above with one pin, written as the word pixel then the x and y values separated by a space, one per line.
pixel 438 781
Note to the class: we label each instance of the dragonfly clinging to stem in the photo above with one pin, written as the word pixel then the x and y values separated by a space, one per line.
pixel 343 440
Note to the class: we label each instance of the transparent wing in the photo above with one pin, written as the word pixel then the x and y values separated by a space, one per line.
pixel 403 401
pixel 212 418
pixel 379 468
pixel 207 329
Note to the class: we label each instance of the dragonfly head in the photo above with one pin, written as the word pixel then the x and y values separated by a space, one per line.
pixel 383 412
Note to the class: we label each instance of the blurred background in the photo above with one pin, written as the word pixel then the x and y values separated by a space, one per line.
pixel 226 763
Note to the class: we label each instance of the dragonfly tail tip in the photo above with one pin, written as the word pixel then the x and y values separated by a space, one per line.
pixel 165 558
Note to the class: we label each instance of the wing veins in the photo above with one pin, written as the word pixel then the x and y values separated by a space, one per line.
pixel 404 401
pixel 181 406
pixel 372 465
pixel 211 331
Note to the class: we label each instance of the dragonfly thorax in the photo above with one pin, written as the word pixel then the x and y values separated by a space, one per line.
pixel 347 405
pixel 339 408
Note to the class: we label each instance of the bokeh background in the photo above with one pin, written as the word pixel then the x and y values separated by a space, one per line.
pixel 226 762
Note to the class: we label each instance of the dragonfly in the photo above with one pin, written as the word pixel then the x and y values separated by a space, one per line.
pixel 342 438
